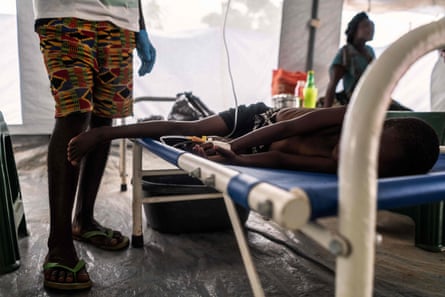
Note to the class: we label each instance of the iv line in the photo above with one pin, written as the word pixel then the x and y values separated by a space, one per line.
pixel 230 69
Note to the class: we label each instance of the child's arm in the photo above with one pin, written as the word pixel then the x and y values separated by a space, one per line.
pixel 307 123
pixel 276 159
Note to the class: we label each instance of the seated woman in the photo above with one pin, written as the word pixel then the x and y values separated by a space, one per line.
pixel 351 61
pixel 290 138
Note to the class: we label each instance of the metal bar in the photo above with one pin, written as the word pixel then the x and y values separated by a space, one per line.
pixel 175 198
pixel 252 274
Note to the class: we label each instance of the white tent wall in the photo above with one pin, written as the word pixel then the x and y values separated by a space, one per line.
pixel 387 5
pixel 195 60
pixel 36 102
pixel 295 43
pixel 198 64
pixel 437 86
pixel 9 65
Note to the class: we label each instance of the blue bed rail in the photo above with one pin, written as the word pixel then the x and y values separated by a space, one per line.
pixel 321 188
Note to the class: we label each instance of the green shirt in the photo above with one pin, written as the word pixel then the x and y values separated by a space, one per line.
pixel 354 64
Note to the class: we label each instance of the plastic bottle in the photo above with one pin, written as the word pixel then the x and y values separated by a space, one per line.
pixel 299 95
pixel 310 91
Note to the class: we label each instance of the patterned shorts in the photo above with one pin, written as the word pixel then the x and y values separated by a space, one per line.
pixel 90 66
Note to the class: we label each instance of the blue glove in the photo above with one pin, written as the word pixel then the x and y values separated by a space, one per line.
pixel 146 52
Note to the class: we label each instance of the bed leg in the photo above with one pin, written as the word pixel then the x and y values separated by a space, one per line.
pixel 123 161
pixel 244 249
pixel 137 239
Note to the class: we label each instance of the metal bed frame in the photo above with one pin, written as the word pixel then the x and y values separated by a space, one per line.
pixel 354 241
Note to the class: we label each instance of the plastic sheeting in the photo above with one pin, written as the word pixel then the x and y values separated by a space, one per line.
pixel 9 76
pixel 195 61
pixel 205 264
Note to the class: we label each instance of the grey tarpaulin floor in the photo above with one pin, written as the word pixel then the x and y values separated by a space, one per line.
pixel 206 264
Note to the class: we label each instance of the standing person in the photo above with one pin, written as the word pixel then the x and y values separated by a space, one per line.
pixel 351 60
pixel 87 48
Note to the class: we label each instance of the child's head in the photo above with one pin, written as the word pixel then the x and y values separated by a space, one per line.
pixel 408 146
pixel 360 26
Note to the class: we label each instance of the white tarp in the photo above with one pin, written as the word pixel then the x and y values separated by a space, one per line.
pixel 196 61
pixel 438 86
pixel 9 75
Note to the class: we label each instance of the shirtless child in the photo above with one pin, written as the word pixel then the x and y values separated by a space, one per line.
pixel 290 138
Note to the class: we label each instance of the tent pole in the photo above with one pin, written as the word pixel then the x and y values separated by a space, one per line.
pixel 313 25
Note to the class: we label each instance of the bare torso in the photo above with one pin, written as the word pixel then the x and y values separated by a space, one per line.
pixel 323 143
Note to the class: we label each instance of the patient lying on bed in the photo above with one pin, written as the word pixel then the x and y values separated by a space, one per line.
pixel 289 138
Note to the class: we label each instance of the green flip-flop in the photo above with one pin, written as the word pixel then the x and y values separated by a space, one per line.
pixel 66 286
pixel 108 233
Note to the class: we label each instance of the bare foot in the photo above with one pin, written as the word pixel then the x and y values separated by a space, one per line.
pixel 80 145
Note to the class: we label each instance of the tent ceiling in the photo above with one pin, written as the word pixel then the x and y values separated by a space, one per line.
pixel 436 6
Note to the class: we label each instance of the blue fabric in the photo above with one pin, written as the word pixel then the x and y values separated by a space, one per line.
pixel 322 188
pixel 239 188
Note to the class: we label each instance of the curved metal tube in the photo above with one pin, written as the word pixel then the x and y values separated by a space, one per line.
pixel 358 155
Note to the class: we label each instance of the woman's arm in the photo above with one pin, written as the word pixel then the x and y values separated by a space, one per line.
pixel 307 123
pixel 335 74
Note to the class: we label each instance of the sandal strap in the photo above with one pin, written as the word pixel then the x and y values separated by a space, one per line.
pixel 80 264
pixel 107 233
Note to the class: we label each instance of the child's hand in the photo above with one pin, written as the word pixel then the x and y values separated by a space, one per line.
pixel 225 156
pixel 204 149
pixel 199 150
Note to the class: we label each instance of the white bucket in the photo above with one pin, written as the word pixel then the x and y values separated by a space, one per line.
pixel 284 100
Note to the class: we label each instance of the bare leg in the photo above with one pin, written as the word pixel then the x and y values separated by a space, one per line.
pixel 62 184
pixel 91 173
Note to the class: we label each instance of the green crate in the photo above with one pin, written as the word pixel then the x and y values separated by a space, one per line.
pixel 12 217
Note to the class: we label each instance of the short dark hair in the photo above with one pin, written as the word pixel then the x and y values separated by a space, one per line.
pixel 419 146
pixel 353 25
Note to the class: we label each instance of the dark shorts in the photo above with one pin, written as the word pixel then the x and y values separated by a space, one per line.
pixel 245 119
pixel 90 66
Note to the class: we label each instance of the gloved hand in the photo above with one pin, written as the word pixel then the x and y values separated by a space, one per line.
pixel 146 52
